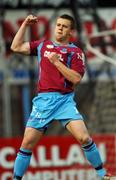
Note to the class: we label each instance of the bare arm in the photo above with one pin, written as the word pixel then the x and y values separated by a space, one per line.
pixel 68 73
pixel 18 45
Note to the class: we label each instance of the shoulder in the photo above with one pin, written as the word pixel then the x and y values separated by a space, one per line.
pixel 36 43
pixel 76 48
pixel 78 53
pixel 39 44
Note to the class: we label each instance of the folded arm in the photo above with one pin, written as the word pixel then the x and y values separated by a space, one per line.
pixel 70 74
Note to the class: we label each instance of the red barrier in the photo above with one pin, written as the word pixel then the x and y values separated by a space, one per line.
pixel 58 158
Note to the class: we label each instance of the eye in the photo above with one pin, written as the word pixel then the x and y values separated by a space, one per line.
pixel 65 26
pixel 58 25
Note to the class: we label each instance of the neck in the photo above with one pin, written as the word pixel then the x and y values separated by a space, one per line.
pixel 62 41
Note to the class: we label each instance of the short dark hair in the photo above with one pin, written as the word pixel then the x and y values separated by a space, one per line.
pixel 70 18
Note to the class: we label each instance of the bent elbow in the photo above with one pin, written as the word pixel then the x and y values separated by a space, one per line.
pixel 13 48
pixel 20 48
pixel 77 80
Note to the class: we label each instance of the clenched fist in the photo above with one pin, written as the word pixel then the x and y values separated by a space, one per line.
pixel 31 19
pixel 53 57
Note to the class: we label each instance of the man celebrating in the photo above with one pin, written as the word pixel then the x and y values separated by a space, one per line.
pixel 61 67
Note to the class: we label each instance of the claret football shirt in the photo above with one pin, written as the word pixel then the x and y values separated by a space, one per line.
pixel 50 79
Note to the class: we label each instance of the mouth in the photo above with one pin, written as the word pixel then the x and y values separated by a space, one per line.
pixel 59 32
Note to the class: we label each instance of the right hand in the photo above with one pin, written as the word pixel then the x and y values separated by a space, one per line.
pixel 31 19
pixel 53 58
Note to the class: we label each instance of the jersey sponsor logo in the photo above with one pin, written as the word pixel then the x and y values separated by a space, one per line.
pixel 46 53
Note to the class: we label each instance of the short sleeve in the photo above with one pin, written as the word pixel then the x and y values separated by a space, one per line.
pixel 78 62
pixel 33 47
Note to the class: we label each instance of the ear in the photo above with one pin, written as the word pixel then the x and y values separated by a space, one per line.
pixel 71 32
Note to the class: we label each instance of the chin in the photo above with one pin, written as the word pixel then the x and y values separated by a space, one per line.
pixel 59 39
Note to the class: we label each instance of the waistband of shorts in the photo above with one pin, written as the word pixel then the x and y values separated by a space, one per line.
pixel 55 94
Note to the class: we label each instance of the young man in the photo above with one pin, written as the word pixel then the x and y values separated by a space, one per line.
pixel 61 67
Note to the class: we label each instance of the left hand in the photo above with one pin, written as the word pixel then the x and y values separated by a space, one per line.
pixel 53 57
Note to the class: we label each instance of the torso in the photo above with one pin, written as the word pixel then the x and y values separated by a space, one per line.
pixel 50 79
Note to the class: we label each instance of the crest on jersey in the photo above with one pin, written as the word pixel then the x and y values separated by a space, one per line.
pixel 63 51
pixel 49 46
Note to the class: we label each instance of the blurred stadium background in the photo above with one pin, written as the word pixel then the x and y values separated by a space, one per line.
pixel 95 96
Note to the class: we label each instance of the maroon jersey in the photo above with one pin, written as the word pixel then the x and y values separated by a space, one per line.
pixel 50 79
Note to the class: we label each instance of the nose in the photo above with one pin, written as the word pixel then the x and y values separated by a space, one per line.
pixel 61 27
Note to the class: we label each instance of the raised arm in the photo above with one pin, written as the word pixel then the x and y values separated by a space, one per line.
pixel 18 45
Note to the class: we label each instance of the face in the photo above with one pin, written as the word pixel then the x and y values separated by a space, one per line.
pixel 63 30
